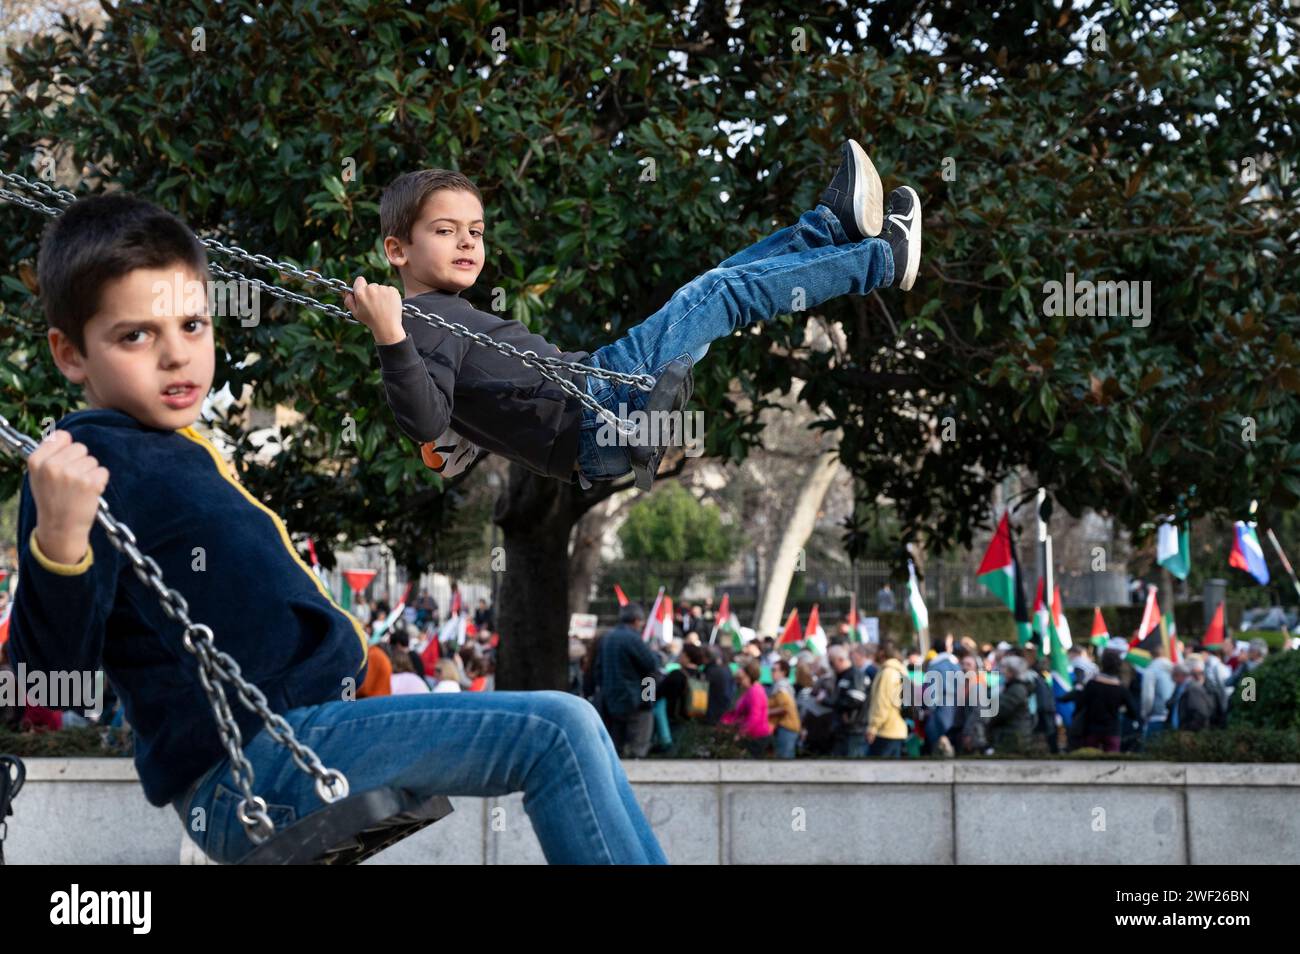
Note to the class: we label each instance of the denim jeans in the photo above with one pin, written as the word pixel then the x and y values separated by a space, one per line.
pixel 785 742
pixel 886 748
pixel 550 745
pixel 798 267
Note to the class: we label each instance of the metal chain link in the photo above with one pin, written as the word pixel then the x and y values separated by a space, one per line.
pixel 549 366
pixel 215 668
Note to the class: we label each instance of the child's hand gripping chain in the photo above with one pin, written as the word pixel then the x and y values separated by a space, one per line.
pixel 66 484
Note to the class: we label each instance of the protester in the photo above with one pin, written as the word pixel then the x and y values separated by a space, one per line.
pixel 849 703
pixel 681 689
pixel 721 685
pixel 483 617
pixel 1190 708
pixel 885 599
pixel 886 729
pixel 942 716
pixel 405 680
pixel 969 733
pixel 1157 689
pixel 783 712
pixel 447 678
pixel 1012 726
pixel 623 665
pixel 379 674
pixel 1100 701
pixel 749 715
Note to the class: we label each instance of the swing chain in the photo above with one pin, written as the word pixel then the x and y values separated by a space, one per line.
pixel 215 667
pixel 548 366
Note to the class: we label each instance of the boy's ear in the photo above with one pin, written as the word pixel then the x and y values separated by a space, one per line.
pixel 394 251
pixel 70 361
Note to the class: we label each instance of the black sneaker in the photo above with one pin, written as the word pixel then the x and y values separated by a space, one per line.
pixel 855 195
pixel 903 232
pixel 671 392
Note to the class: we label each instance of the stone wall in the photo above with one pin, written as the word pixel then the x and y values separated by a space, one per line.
pixel 92 811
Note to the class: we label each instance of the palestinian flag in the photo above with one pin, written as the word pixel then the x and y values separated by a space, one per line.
pixel 1062 624
pixel 1214 635
pixel 727 624
pixel 1040 617
pixel 792 633
pixel 1169 633
pixel 814 638
pixel 377 631
pixel 854 635
pixel 1000 572
pixel 1148 636
pixel 1058 636
pixel 1173 551
pixel 622 597
pixel 653 618
pixel 915 602
pixel 1100 634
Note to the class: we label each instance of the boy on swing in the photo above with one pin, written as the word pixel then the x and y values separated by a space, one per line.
pixel 145 367
pixel 454 396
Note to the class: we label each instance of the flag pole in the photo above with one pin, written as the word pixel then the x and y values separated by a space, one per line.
pixel 1272 538
pixel 1045 549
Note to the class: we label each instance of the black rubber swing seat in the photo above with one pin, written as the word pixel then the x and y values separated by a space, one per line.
pixel 671 392
pixel 349 831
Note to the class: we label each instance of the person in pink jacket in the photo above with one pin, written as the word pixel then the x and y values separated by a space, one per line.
pixel 749 714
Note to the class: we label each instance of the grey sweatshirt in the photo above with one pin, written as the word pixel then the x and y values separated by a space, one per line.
pixel 434 380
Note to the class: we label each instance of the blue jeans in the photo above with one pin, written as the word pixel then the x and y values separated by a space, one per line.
pixel 795 268
pixel 550 745
pixel 786 742
pixel 886 748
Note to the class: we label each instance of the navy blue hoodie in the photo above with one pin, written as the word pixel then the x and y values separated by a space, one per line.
pixel 226 553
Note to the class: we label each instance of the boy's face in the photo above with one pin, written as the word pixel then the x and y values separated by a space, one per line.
pixel 141 344
pixel 446 250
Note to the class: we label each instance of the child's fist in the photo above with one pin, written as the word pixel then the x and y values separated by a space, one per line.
pixel 379 308
pixel 66 484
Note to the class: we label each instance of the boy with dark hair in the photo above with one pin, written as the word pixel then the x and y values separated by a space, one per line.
pixel 454 396
pixel 145 367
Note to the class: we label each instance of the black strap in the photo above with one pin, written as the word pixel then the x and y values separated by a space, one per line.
pixel 12 775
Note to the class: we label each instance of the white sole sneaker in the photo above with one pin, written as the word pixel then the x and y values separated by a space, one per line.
pixel 868 193
pixel 911 227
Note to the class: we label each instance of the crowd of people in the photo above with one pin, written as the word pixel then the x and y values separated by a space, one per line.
pixel 410 654
pixel 882 700
pixel 854 700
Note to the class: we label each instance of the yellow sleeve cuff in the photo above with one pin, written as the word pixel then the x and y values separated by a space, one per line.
pixel 62 569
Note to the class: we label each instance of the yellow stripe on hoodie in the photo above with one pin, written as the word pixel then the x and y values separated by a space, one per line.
pixel 226 472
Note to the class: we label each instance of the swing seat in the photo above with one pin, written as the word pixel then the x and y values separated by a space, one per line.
pixel 352 829
pixel 670 393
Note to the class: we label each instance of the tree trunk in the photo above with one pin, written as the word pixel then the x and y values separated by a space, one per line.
pixel 803 517
pixel 584 561
pixel 536 517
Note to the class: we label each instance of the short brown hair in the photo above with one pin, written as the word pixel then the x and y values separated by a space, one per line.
pixel 400 206
pixel 99 239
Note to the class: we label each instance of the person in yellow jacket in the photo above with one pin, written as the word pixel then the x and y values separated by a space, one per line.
pixel 886 729
pixel 783 712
